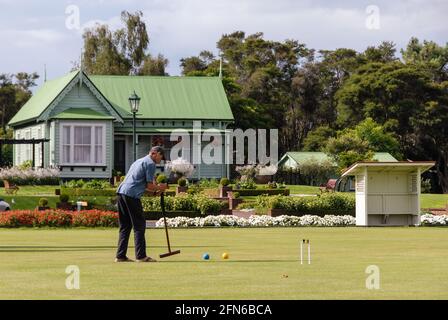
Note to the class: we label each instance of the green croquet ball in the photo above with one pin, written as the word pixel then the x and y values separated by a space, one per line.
pixel 205 256
pixel 225 255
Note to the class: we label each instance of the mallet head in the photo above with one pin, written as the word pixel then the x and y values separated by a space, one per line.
pixel 172 253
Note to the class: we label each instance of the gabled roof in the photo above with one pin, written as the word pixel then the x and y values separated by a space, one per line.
pixel 303 156
pixel 167 97
pixel 42 99
pixel 161 97
pixel 398 166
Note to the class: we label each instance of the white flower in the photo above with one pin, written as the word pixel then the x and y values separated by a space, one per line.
pixel 180 166
pixel 259 221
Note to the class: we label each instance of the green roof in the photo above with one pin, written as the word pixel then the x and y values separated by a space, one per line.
pixel 201 98
pixel 82 113
pixel 167 97
pixel 42 99
pixel 301 157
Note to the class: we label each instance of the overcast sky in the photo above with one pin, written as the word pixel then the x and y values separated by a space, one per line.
pixel 34 33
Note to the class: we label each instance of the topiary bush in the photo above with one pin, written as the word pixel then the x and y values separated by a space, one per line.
pixel 182 182
pixel 64 198
pixel 161 178
pixel 43 202
pixel 224 182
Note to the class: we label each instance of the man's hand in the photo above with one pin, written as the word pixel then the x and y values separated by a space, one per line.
pixel 156 189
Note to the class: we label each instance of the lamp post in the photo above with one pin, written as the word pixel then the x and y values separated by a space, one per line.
pixel 134 102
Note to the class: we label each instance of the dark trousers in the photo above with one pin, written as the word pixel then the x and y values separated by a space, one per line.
pixel 130 215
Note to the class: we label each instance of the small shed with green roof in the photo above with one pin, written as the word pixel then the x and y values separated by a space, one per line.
pixel 89 124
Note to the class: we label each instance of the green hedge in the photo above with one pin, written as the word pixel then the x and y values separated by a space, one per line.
pixel 326 203
pixel 110 192
pixel 259 192
pixel 185 202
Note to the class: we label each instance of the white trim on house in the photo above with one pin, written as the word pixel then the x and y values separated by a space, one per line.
pixel 72 125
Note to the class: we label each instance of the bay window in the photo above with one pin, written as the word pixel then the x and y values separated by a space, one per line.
pixel 83 144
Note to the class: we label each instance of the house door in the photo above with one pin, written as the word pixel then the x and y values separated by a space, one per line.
pixel 119 156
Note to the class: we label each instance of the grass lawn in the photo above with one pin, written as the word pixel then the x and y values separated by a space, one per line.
pixel 263 264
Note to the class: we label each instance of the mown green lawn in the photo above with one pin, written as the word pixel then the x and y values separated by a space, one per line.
pixel 264 264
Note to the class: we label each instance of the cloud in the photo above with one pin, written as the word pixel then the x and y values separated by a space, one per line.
pixel 31 38
pixel 181 28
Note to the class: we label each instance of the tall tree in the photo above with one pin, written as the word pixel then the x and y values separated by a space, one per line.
pixel 407 102
pixel 121 52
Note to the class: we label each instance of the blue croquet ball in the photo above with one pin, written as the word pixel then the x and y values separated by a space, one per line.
pixel 205 256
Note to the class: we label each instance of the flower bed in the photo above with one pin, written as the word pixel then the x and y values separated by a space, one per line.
pixel 38 176
pixel 434 220
pixel 58 218
pixel 259 221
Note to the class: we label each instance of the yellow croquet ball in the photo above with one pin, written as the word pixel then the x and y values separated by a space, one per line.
pixel 225 255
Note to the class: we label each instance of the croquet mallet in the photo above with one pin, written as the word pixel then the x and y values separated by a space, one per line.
pixel 169 253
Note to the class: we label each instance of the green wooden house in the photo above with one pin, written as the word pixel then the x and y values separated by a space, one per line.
pixel 294 159
pixel 89 124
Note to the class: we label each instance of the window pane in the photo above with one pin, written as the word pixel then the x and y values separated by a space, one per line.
pixel 98 135
pixel 98 154
pixel 66 135
pixel 78 135
pixel 82 154
pixel 66 154
pixel 86 132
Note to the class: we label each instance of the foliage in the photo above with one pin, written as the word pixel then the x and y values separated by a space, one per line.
pixel 96 184
pixel 224 182
pixel 58 218
pixel 315 172
pixel 337 203
pixel 182 182
pixel 425 186
pixel 184 202
pixel 208 183
pixel 161 178
pixel 43 202
pixel 64 198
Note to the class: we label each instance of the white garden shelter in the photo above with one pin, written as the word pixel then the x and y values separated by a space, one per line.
pixel 387 193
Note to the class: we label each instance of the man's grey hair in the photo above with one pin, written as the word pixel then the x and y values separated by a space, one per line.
pixel 158 149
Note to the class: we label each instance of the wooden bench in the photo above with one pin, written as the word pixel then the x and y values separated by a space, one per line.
pixel 10 188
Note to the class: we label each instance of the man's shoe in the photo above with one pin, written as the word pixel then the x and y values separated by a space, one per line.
pixel 147 259
pixel 125 259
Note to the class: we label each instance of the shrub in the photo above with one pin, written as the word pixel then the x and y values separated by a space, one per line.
pixel 161 178
pixel 426 186
pixel 236 195
pixel 248 184
pixel 75 183
pixel 335 203
pixel 96 184
pixel 182 182
pixel 206 183
pixel 224 182
pixel 43 202
pixel 64 198
pixel 184 202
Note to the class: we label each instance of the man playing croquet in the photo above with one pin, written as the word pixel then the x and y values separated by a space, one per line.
pixel 140 178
